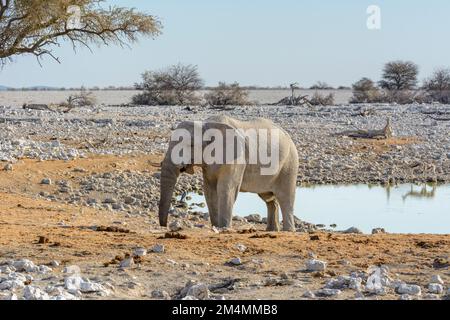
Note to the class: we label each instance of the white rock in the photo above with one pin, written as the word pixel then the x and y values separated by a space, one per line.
pixel 189 298
pixel 127 263
pixel 199 291
pixel 175 226
pixel 139 252
pixel 11 284
pixel 405 297
pixel 44 269
pixel 90 287
pixel 328 292
pixel 160 294
pixel 46 181
pixel 34 293
pixel 158 248
pixel 7 269
pixel 437 279
pixel 54 263
pixel 72 270
pixel 309 294
pixel 73 283
pixel 8 167
pixel 436 288
pixel 240 247
pixel 235 261
pixel 409 289
pixel 315 265
pixel 25 265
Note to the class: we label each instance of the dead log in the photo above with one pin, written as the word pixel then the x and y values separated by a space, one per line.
pixel 384 133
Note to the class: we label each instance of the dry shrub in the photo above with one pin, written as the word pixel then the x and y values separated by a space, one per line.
pixel 319 99
pixel 227 95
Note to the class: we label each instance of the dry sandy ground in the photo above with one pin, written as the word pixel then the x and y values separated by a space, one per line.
pixel 202 256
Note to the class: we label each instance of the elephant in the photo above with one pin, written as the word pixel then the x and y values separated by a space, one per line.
pixel 223 181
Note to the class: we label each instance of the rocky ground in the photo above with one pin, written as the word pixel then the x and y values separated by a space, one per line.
pixel 78 195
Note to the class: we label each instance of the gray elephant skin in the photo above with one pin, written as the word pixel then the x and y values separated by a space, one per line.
pixel 223 182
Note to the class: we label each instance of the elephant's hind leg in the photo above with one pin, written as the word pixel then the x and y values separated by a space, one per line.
pixel 273 218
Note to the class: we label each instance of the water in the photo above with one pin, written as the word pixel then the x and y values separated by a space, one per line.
pixel 401 209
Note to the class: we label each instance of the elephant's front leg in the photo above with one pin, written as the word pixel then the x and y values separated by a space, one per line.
pixel 226 193
pixel 210 189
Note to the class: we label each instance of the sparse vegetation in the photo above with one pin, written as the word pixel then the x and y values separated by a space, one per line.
pixel 437 87
pixel 176 85
pixel 366 91
pixel 319 99
pixel 399 80
pixel 227 94
pixel 36 27
pixel 321 86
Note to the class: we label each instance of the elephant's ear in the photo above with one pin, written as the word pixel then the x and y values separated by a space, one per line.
pixel 239 138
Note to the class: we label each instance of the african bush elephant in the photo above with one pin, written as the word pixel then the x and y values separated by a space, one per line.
pixel 223 181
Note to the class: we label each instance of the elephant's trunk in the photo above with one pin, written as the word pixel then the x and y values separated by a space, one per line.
pixel 169 177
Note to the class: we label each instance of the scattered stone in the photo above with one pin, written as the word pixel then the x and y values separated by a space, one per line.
pixel 240 247
pixel 175 226
pixel 8 167
pixel 72 270
pixel 158 248
pixel 255 218
pixel 46 181
pixel 409 289
pixel 436 288
pixel 160 294
pixel 309 294
pixel 127 263
pixel 315 265
pixel 139 252
pixel 54 263
pixel 328 292
pixel 25 265
pixel 34 293
pixel 198 291
pixel 437 279
pixel 235 261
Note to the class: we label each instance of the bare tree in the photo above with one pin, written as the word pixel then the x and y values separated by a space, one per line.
pixel 399 75
pixel 227 95
pixel 176 85
pixel 36 27
pixel 437 87
pixel 365 91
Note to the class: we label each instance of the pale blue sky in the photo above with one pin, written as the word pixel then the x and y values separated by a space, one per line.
pixel 259 42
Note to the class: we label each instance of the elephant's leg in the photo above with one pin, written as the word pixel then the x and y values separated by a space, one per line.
pixel 286 199
pixel 273 223
pixel 210 189
pixel 226 194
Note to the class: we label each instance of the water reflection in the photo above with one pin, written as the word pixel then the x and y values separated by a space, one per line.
pixel 399 209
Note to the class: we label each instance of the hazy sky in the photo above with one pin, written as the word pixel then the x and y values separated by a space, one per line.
pixel 259 42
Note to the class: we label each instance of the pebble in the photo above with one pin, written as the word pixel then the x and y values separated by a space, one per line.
pixel 127 263
pixel 160 294
pixel 240 247
pixel 175 226
pixel 315 265
pixel 436 288
pixel 309 294
pixel 34 293
pixel 139 252
pixel 72 270
pixel 328 292
pixel 8 167
pixel 46 181
pixel 409 289
pixel 235 261
pixel 158 248
pixel 437 279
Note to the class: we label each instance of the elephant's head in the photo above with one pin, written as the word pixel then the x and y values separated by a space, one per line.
pixel 171 169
